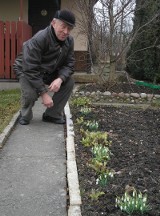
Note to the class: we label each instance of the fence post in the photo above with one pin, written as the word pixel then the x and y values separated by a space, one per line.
pixel 12 36
pixel 19 36
pixel 1 49
pixel 13 46
pixel 7 50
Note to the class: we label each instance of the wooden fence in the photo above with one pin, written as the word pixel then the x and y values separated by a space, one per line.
pixel 12 36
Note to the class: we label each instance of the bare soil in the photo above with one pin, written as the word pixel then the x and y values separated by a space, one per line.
pixel 135 136
pixel 121 87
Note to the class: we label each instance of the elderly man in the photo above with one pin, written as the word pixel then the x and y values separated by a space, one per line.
pixel 46 65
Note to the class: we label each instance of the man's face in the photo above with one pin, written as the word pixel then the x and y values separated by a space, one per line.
pixel 62 30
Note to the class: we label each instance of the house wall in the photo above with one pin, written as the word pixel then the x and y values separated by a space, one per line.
pixel 81 44
pixel 10 10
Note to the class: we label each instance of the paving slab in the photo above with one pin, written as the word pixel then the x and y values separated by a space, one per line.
pixel 33 169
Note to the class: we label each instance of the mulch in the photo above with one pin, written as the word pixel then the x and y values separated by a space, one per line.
pixel 135 159
pixel 120 87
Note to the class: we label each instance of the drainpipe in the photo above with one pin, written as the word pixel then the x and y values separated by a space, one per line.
pixel 21 10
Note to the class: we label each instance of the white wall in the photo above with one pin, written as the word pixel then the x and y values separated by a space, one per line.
pixel 80 39
pixel 10 10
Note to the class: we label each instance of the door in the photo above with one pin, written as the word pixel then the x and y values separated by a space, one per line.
pixel 41 12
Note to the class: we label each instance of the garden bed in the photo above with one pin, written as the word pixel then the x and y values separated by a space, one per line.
pixel 135 159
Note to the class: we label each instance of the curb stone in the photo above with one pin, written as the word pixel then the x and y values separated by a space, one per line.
pixel 142 106
pixel 72 173
pixel 7 131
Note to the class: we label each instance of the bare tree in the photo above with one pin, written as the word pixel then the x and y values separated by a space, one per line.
pixel 108 26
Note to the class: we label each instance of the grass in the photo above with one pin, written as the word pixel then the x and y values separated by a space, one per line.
pixel 9 105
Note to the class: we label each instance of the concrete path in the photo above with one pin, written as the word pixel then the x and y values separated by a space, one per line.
pixel 33 170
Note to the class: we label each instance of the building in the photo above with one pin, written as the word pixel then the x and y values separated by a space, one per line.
pixel 20 19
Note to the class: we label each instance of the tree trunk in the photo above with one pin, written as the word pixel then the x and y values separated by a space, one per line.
pixel 112 73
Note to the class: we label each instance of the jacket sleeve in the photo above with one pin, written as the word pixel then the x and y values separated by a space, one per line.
pixel 32 55
pixel 67 69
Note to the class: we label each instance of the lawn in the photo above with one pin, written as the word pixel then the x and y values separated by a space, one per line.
pixel 9 105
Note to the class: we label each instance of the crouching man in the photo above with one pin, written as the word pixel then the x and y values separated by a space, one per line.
pixel 46 65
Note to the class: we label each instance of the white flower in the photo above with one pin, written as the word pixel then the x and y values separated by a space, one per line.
pixel 133 202
pixel 141 208
pixel 134 193
pixel 144 199
pixel 140 195
pixel 97 181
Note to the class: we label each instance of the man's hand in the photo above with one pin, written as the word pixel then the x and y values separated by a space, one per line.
pixel 47 100
pixel 55 85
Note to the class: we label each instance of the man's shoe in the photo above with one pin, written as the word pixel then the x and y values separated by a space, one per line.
pixel 23 121
pixel 46 118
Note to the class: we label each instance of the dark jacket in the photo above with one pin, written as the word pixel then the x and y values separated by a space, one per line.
pixel 43 56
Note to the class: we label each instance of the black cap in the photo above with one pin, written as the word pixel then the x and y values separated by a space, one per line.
pixel 66 16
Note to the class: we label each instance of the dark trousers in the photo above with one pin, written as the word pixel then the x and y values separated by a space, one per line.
pixel 29 96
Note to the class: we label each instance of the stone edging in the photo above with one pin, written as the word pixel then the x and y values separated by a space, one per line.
pixel 72 174
pixel 123 97
pixel 5 134
pixel 122 94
